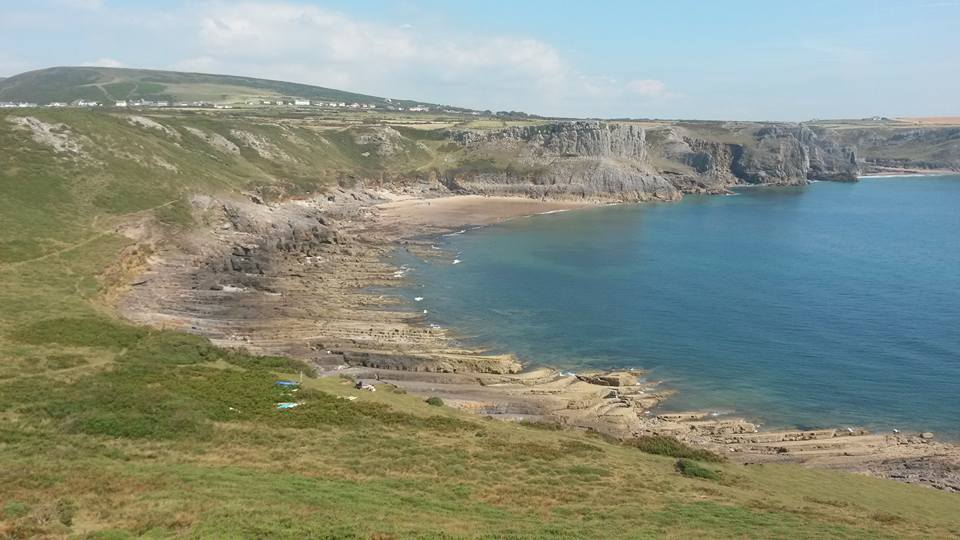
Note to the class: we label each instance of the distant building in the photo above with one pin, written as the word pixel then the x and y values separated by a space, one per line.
pixel 57 104
pixel 301 102
pixel 121 103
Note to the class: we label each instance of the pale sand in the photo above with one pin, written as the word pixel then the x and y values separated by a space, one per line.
pixel 466 210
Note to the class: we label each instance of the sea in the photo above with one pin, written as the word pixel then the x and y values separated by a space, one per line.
pixel 825 305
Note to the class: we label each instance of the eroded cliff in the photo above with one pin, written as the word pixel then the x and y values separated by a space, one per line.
pixel 628 161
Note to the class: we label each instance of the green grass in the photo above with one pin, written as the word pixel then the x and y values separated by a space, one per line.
pixel 663 445
pixel 114 431
pixel 693 469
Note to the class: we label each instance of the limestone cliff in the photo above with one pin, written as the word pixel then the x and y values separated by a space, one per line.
pixel 898 146
pixel 584 160
pixel 626 161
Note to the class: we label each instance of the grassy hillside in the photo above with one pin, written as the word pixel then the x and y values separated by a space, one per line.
pixel 113 431
pixel 110 84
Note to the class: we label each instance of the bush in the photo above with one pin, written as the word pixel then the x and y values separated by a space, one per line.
pixel 693 469
pixel 66 509
pixel 435 401
pixel 15 509
pixel 663 445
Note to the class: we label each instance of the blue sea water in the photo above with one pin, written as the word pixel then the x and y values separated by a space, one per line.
pixel 832 304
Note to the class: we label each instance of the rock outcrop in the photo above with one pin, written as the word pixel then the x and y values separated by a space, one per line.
pixel 885 147
pixel 793 155
pixel 567 139
pixel 580 160
pixel 627 162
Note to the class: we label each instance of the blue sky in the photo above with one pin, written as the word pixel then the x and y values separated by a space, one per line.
pixel 757 60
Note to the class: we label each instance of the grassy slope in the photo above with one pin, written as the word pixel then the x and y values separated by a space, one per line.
pixel 111 431
pixel 98 83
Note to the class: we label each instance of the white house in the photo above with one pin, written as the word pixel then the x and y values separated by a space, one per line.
pixel 301 102
pixel 121 103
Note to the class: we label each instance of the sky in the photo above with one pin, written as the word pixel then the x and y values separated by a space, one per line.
pixel 748 60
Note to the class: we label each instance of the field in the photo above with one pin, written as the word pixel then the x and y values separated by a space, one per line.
pixel 113 431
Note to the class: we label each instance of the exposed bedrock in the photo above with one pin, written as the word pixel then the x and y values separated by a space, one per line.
pixel 573 178
pixel 925 147
pixel 627 162
pixel 567 139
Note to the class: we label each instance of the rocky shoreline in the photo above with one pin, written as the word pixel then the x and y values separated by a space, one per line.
pixel 296 278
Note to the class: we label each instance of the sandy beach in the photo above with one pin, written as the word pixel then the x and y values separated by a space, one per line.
pixel 892 172
pixel 311 296
pixel 466 210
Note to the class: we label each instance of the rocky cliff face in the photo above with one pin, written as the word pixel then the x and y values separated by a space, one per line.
pixel 619 160
pixel 927 147
pixel 583 160
pixel 567 139
pixel 791 155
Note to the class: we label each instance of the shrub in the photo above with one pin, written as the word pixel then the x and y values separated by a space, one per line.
pixel 15 509
pixel 693 469
pixel 539 424
pixel 66 509
pixel 435 401
pixel 663 445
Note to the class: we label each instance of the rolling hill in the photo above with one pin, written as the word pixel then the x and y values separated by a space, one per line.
pixel 110 84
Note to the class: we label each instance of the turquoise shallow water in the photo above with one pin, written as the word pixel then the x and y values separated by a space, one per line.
pixel 824 305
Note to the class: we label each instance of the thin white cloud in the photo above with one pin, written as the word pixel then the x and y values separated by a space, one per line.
pixel 649 88
pixel 305 43
pixel 104 62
